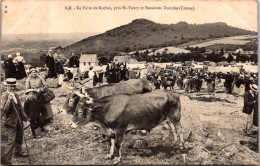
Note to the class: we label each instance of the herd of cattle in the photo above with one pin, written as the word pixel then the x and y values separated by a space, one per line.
pixel 125 106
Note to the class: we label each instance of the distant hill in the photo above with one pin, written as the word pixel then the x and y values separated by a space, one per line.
pixel 142 34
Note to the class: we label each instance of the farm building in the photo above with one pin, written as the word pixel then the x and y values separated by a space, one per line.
pixel 87 60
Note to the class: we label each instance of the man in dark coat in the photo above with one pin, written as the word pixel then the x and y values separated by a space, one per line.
pixel 74 60
pixel 59 70
pixel 50 65
pixel 10 68
pixel 13 126
pixel 250 106
pixel 74 63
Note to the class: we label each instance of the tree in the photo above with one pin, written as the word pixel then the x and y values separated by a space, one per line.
pixel 103 60
pixel 230 58
pixel 154 51
pixel 222 52
pixel 238 57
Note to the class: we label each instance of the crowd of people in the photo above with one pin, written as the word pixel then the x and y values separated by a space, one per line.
pixel 191 79
pixel 38 111
pixel 14 67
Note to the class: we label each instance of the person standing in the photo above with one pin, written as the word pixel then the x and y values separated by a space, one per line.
pixel 10 68
pixel 250 105
pixel 91 75
pixel 19 62
pixel 124 73
pixel 50 65
pixel 229 79
pixel 13 126
pixel 74 63
pixel 35 81
pixel 59 70
pixel 32 111
pixel 144 72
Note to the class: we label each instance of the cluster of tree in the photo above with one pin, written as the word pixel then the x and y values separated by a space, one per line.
pixel 196 56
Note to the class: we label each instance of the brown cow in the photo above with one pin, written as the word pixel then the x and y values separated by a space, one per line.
pixel 134 86
pixel 122 113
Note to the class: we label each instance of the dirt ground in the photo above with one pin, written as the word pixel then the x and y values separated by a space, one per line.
pixel 213 129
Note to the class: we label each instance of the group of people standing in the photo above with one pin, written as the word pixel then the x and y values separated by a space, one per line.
pixel 56 68
pixel 14 68
pixel 116 72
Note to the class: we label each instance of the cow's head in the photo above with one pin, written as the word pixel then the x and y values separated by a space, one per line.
pixel 83 112
pixel 71 102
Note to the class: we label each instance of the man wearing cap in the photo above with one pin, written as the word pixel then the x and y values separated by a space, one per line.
pixel 251 106
pixel 13 126
pixel 50 65
pixel 74 63
pixel 19 62
pixel 59 70
pixel 10 68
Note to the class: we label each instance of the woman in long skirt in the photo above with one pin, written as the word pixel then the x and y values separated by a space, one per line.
pixel 19 62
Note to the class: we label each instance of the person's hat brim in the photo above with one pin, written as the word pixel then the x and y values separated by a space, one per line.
pixel 254 87
pixel 10 82
pixel 33 69
pixel 30 90
pixel 5 83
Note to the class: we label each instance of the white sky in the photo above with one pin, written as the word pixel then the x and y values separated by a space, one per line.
pixel 49 16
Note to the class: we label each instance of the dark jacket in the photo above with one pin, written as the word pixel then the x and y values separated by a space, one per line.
pixel 249 104
pixel 74 61
pixel 8 108
pixel 31 108
pixel 10 68
pixel 255 116
pixel 49 62
pixel 59 68
pixel 69 75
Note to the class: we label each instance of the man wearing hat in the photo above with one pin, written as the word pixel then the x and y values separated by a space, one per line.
pixel 50 65
pixel 10 68
pixel 251 108
pixel 74 63
pixel 13 126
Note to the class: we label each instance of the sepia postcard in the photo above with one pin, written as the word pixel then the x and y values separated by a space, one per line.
pixel 149 82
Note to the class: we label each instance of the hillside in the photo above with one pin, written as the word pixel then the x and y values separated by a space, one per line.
pixel 142 34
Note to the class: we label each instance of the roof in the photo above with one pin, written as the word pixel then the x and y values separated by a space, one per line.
pixel 174 50
pixel 122 59
pixel 88 58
